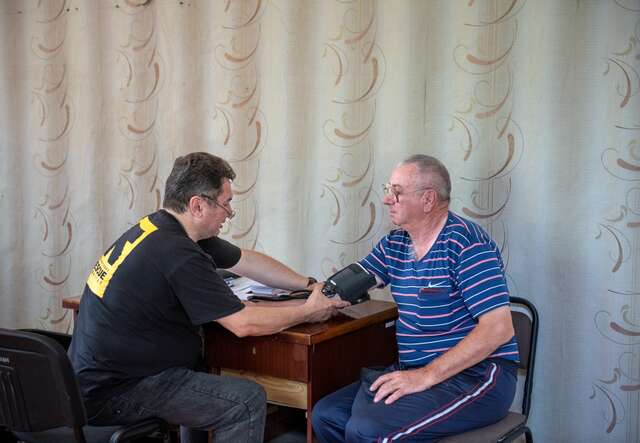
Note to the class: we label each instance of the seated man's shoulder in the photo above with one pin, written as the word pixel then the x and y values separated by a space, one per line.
pixel 466 232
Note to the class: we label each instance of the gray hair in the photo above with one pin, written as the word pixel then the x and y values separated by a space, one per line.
pixel 433 172
pixel 197 173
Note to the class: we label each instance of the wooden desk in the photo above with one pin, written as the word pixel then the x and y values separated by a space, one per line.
pixel 302 364
pixel 72 303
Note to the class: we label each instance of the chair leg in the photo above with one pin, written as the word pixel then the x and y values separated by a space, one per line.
pixel 79 435
pixel 528 436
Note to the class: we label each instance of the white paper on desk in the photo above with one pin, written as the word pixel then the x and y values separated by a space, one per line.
pixel 259 289
pixel 243 287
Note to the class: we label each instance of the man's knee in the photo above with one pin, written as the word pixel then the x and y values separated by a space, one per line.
pixel 255 397
pixel 240 401
pixel 363 428
pixel 323 412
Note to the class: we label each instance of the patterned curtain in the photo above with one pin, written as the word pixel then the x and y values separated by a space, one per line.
pixel 534 106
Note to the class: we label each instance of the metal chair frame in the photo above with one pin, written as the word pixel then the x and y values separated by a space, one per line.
pixel 526 330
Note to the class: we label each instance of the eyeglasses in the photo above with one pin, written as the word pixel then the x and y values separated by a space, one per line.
pixel 389 189
pixel 230 212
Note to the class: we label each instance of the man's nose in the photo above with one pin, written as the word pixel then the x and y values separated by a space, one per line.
pixel 388 200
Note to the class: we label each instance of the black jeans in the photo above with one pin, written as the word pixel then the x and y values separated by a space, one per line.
pixel 233 407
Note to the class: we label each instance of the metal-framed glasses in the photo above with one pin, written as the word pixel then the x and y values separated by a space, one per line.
pixel 230 212
pixel 392 190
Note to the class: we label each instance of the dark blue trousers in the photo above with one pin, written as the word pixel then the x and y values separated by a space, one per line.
pixel 476 397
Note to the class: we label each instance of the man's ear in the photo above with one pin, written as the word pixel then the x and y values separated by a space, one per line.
pixel 195 206
pixel 429 200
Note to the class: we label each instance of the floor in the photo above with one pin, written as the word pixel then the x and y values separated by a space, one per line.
pixel 285 425
pixel 290 437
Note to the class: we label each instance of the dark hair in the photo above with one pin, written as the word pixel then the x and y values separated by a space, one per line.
pixel 432 170
pixel 195 174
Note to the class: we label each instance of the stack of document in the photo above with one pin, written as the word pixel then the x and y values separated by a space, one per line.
pixel 244 287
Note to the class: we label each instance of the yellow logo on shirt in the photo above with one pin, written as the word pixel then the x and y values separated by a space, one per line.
pixel 104 269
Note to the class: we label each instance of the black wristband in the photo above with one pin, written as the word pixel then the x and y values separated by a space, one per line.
pixel 311 281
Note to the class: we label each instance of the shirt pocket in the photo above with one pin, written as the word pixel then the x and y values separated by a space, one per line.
pixel 433 295
pixel 434 308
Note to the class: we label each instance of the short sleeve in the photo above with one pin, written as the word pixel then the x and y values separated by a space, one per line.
pixel 481 279
pixel 202 293
pixel 376 263
pixel 225 255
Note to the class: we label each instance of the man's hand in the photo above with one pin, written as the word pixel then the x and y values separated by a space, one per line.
pixel 320 308
pixel 399 383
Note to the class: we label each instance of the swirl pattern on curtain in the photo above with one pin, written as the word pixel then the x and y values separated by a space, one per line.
pixel 490 135
pixel 55 114
pixel 358 67
pixel 143 72
pixel 240 124
pixel 620 392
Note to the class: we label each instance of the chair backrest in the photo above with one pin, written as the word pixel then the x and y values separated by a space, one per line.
pixel 38 388
pixel 525 324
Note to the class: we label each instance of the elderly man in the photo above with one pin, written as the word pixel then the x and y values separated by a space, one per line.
pixel 456 366
pixel 136 345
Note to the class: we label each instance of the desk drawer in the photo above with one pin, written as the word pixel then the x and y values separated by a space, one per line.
pixel 279 391
pixel 262 355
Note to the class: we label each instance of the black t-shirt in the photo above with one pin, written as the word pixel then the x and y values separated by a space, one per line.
pixel 143 303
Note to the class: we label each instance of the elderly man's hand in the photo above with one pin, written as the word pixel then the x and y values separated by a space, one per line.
pixel 397 384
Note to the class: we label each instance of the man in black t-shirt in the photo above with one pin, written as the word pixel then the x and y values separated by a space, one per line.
pixel 136 345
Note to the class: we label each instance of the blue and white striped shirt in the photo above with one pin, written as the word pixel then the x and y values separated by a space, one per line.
pixel 441 295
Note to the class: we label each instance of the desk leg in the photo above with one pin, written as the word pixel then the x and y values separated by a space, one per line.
pixel 308 414
pixel 374 345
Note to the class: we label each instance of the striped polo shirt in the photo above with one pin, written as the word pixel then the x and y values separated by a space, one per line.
pixel 441 295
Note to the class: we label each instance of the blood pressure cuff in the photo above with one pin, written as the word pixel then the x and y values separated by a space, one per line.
pixel 350 283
